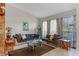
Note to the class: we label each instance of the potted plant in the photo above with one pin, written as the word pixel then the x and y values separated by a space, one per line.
pixel 39 30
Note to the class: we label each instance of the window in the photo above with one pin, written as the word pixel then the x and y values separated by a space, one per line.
pixel 53 26
pixel 69 29
pixel 44 25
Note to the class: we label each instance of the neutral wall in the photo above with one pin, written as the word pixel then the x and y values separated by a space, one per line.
pixel 77 29
pixel 15 17
pixel 63 14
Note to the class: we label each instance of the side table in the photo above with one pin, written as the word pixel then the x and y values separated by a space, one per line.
pixel 65 44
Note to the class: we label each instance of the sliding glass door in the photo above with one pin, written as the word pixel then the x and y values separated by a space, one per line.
pixel 69 29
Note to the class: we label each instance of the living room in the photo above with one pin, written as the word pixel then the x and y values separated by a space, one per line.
pixel 31 31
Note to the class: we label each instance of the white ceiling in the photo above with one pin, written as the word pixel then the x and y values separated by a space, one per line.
pixel 45 9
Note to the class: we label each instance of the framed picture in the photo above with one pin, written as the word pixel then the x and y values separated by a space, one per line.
pixel 25 26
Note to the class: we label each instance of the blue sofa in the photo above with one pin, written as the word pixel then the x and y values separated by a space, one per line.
pixel 28 37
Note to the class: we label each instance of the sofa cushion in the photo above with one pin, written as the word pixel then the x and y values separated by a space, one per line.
pixel 29 37
pixel 21 43
pixel 36 36
pixel 23 36
pixel 18 37
pixel 20 46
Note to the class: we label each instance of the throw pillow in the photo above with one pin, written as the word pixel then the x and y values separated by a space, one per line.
pixel 23 36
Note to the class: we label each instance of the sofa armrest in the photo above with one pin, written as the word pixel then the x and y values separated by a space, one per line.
pixel 20 46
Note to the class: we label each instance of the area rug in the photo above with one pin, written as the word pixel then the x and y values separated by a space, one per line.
pixel 34 52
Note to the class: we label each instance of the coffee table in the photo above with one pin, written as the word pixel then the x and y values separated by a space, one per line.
pixel 34 43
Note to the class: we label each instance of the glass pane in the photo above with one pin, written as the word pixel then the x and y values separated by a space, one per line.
pixel 68 29
pixel 53 26
pixel 44 33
